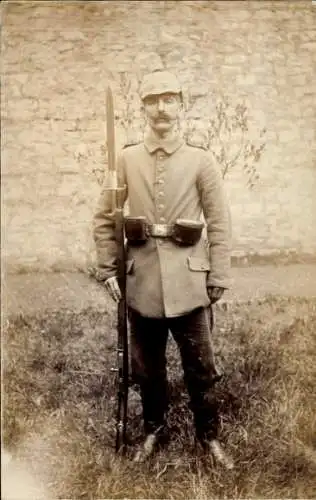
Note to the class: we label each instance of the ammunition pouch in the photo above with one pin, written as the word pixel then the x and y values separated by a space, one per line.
pixel 187 232
pixel 136 230
pixel 184 232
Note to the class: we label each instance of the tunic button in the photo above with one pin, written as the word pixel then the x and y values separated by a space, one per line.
pixel 160 193
pixel 161 207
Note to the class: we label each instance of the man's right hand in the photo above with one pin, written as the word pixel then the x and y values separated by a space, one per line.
pixel 112 286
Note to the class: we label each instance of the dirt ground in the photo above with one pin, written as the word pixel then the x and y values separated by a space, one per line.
pixel 36 292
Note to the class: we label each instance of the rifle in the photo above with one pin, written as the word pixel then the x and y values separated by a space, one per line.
pixel 117 194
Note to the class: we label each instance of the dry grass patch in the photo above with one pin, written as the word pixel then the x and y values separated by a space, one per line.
pixel 59 407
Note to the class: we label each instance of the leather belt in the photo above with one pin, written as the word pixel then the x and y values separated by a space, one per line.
pixel 160 230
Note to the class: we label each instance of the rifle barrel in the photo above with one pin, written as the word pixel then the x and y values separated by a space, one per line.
pixel 117 193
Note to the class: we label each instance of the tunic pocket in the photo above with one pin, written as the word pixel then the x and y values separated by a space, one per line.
pixel 198 264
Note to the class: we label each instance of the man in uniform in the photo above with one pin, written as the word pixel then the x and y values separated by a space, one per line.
pixel 173 272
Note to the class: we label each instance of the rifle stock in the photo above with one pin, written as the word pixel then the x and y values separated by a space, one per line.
pixel 122 332
pixel 122 338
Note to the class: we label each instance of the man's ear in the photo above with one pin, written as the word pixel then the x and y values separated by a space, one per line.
pixel 142 110
pixel 181 103
pixel 181 109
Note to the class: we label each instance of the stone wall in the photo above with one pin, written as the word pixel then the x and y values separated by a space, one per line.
pixel 58 58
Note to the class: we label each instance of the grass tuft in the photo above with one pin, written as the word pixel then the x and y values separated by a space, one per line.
pixel 59 407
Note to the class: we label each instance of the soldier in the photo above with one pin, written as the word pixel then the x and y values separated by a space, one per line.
pixel 173 272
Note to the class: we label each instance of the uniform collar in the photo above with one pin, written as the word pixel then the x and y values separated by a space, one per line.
pixel 169 145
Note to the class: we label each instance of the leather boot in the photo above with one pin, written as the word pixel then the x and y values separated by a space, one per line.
pixel 147 448
pixel 214 450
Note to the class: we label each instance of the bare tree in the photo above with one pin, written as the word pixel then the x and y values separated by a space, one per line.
pixel 228 134
pixel 216 123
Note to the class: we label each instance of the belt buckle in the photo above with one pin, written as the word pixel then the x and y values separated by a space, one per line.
pixel 160 230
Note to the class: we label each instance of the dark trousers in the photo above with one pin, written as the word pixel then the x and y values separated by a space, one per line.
pixel 192 333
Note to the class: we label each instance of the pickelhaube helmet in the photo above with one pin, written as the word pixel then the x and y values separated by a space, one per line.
pixel 159 82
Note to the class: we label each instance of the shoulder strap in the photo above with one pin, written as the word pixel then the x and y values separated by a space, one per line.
pixel 196 142
pixel 132 142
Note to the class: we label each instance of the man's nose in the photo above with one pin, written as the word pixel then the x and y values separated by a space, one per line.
pixel 161 105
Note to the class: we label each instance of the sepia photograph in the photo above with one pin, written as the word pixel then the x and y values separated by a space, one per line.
pixel 158 249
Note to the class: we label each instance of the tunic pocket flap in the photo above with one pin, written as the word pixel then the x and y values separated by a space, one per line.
pixel 129 266
pixel 198 264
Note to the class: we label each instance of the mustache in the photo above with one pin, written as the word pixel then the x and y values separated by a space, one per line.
pixel 162 116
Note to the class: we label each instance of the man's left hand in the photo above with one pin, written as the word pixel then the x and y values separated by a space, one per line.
pixel 215 293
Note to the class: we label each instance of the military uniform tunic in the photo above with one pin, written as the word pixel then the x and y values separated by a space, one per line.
pixel 167 180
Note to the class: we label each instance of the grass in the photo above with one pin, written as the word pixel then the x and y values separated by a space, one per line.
pixel 59 407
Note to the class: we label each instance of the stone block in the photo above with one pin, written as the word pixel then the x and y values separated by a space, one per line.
pixel 54 111
pixel 246 79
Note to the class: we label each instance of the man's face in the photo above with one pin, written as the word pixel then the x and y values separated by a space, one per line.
pixel 162 111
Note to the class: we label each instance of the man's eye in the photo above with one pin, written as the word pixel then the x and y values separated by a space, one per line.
pixel 169 100
pixel 151 102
